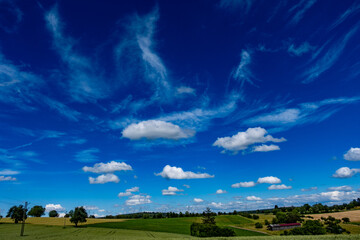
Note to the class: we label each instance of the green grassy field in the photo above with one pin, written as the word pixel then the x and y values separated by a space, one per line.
pixel 177 225
pixel 32 231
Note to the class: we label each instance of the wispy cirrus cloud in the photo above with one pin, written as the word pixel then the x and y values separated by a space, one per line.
pixel 84 85
pixel 87 155
pixel 299 10
pixel 137 48
pixel 15 79
pixel 303 113
pixel 10 16
pixel 242 73
pixel 328 59
pixel 233 5
pixel 301 49
pixel 351 11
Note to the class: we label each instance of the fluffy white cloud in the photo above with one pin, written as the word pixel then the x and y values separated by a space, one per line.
pixel 8 172
pixel 353 154
pixel 171 191
pixel 57 207
pixel 243 184
pixel 345 172
pixel 104 178
pixel 340 188
pixel 279 187
pixel 198 200
pixel 91 207
pixel 253 198
pixel 155 129
pixel 128 192
pixel 138 200
pixel 266 148
pixel 334 195
pixel 309 189
pixel 8 178
pixel 242 140
pixel 220 191
pixel 179 173
pixel 216 205
pixel 187 186
pixel 109 167
pixel 270 180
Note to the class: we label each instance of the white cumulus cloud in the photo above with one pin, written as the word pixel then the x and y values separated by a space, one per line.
pixel 220 191
pixel 8 172
pixel 340 188
pixel 309 189
pixel 353 154
pixel 270 180
pixel 242 140
pixel 109 167
pixel 138 200
pixel 57 207
pixel 178 173
pixel 171 191
pixel 279 187
pixel 104 178
pixel 8 178
pixel 345 172
pixel 266 148
pixel 253 198
pixel 243 184
pixel 155 129
pixel 128 192
pixel 198 200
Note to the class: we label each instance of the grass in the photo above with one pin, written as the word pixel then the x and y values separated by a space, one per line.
pixel 177 225
pixel 354 215
pixel 60 221
pixel 11 231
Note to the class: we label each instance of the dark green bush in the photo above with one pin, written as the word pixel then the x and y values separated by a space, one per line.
pixel 210 230
pixel 258 225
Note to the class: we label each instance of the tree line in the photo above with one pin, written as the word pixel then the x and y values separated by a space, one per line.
pixel 19 214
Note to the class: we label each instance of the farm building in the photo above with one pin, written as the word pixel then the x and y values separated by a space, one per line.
pixel 276 227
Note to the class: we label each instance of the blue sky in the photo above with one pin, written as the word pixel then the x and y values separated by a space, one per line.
pixel 179 105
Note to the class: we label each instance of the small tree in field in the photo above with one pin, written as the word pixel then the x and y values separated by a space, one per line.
pixel 53 213
pixel 36 211
pixel 78 215
pixel 208 217
pixel 16 213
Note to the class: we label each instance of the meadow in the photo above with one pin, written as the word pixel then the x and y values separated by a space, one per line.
pixel 165 228
pixel 33 231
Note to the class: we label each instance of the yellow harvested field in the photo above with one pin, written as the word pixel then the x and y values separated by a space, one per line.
pixel 60 221
pixel 353 215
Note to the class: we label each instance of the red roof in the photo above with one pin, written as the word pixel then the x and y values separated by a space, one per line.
pixel 289 224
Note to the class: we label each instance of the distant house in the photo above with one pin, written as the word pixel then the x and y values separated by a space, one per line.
pixel 276 227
